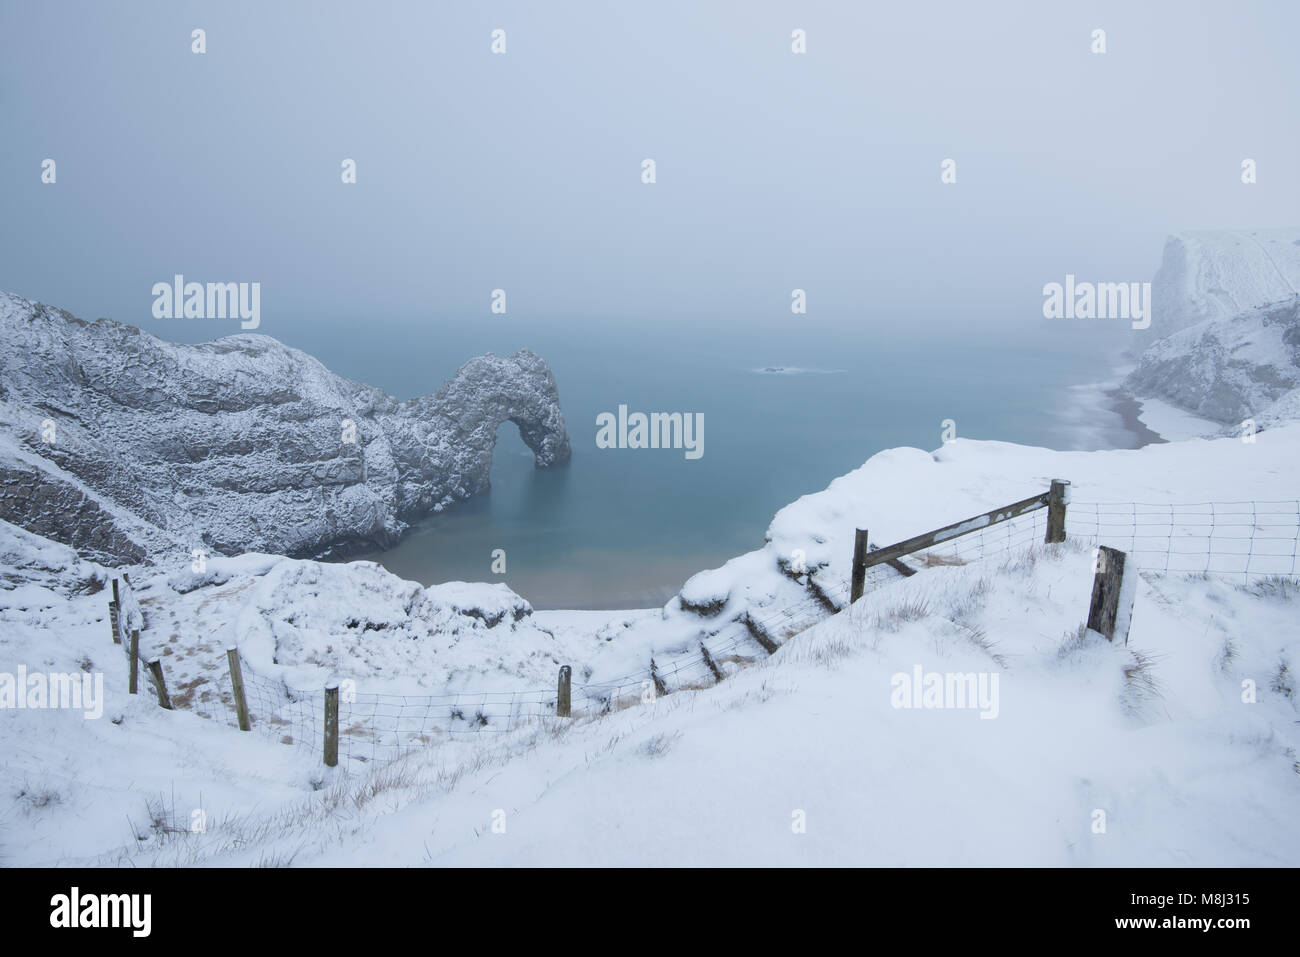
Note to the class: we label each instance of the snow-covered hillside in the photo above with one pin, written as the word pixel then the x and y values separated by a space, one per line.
pixel 1245 366
pixel 1217 274
pixel 1155 740
pixel 1224 341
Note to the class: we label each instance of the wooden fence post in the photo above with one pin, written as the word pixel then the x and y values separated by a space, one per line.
pixel 859 565
pixel 332 724
pixel 237 684
pixel 661 687
pixel 1056 511
pixel 1113 590
pixel 132 681
pixel 115 608
pixel 712 665
pixel 564 693
pixel 159 685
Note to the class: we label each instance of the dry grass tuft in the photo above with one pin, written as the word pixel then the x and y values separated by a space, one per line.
pixel 36 797
pixel 1275 587
pixel 1073 643
pixel 1141 688
pixel 658 745
pixel 1282 682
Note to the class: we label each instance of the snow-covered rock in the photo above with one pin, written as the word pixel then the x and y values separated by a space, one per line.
pixel 30 560
pixel 1224 341
pixel 1245 366
pixel 126 446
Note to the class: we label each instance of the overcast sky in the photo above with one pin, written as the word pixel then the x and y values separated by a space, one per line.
pixel 478 171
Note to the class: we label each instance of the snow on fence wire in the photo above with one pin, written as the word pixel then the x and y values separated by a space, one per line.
pixel 1234 538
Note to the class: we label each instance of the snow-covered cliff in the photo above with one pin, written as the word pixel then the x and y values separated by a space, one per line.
pixel 1245 366
pixel 126 447
pixel 1224 342
pixel 1217 274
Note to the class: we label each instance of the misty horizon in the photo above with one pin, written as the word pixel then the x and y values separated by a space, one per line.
pixel 521 172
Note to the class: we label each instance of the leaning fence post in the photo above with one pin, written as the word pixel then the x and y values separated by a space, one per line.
pixel 661 686
pixel 710 663
pixel 563 696
pixel 114 609
pixel 1056 501
pixel 159 685
pixel 332 724
pixel 131 679
pixel 237 684
pixel 859 565
pixel 1113 590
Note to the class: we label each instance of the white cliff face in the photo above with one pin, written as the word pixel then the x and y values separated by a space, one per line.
pixel 1224 342
pixel 125 446
pixel 1246 366
pixel 1217 274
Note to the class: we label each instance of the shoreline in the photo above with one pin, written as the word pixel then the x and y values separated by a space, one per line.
pixel 1129 409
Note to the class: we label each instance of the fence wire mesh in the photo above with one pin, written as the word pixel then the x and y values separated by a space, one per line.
pixel 375 726
pixel 1236 539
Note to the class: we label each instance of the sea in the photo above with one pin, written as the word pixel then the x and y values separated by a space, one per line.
pixel 785 410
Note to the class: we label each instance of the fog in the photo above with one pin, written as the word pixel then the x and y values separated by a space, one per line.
pixel 523 171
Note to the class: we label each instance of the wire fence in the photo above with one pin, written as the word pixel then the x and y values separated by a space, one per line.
pixel 130 618
pixel 375 726
pixel 994 541
pixel 1237 540
pixel 1247 539
pixel 1232 539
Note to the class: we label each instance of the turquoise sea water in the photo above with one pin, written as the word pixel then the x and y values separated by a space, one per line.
pixel 625 527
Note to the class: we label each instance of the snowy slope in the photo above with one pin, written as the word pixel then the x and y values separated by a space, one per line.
pixel 1161 741
pixel 1186 774
pixel 1184 771
pixel 903 492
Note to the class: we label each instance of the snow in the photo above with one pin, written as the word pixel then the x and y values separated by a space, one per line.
pixel 1157 735
pixel 1217 274
pixel 708 590
pixel 240 444
pixel 1229 369
pixel 1174 424
pixel 963 528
